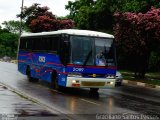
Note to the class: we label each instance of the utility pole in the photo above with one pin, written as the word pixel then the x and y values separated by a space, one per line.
pixel 20 30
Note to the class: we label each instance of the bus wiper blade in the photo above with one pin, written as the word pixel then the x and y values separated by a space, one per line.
pixel 87 58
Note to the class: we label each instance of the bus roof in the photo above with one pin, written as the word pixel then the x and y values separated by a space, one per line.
pixel 71 32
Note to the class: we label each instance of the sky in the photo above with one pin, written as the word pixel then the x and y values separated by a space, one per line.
pixel 10 8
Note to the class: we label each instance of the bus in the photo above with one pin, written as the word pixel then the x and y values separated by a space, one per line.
pixel 69 58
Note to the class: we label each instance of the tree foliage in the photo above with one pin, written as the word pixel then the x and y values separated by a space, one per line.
pixel 40 19
pixel 14 26
pixel 98 14
pixel 91 14
pixel 34 11
pixel 138 35
pixel 43 23
pixel 65 24
pixel 8 43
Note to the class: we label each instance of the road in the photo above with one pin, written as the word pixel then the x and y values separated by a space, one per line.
pixel 78 104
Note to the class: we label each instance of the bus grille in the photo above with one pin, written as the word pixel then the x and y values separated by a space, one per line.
pixel 85 83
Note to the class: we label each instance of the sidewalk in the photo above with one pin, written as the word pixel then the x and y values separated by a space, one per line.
pixel 13 106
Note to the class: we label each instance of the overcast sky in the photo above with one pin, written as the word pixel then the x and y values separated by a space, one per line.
pixel 10 8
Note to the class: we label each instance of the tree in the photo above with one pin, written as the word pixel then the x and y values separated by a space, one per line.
pixel 43 23
pixel 128 5
pixel 91 14
pixel 34 11
pixel 98 14
pixel 65 24
pixel 14 26
pixel 39 19
pixel 137 35
pixel 8 43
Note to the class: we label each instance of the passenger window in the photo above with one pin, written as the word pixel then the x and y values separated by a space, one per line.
pixel 51 43
pixel 22 44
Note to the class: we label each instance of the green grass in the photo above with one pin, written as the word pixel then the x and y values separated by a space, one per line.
pixel 150 78
pixel 153 75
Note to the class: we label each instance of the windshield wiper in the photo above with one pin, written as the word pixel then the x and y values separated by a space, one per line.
pixel 87 58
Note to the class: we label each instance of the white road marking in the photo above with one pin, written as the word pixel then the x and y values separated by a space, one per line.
pixel 90 102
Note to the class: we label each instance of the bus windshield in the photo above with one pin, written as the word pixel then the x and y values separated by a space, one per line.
pixel 81 50
pixel 92 51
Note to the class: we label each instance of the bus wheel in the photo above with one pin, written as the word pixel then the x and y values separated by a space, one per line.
pixel 54 83
pixel 28 73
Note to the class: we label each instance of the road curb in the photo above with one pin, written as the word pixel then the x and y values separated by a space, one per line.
pixel 28 97
pixel 141 84
pixel 12 61
pixel 34 100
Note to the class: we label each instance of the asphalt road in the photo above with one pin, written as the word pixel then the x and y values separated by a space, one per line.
pixel 123 102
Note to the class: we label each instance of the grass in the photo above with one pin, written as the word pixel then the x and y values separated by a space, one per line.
pixel 155 75
pixel 150 78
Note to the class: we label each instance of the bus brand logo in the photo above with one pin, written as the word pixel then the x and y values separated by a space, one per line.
pixel 42 59
pixel 78 69
pixel 94 75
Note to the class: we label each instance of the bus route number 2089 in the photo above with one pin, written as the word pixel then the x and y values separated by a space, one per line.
pixel 78 69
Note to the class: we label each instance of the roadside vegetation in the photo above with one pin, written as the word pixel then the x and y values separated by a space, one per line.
pixel 8 43
pixel 150 78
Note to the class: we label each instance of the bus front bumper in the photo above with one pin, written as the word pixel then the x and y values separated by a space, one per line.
pixel 90 82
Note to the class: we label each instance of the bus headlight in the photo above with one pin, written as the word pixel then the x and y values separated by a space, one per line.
pixel 72 74
pixel 75 81
pixel 111 83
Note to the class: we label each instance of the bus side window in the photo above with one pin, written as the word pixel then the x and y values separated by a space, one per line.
pixel 36 43
pixel 55 43
pixel 41 44
pixel 22 44
pixel 28 44
pixel 50 43
pixel 46 44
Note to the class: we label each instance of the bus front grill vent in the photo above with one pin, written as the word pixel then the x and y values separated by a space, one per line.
pixel 84 83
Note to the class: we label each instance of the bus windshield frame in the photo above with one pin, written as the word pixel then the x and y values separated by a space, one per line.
pixel 92 51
